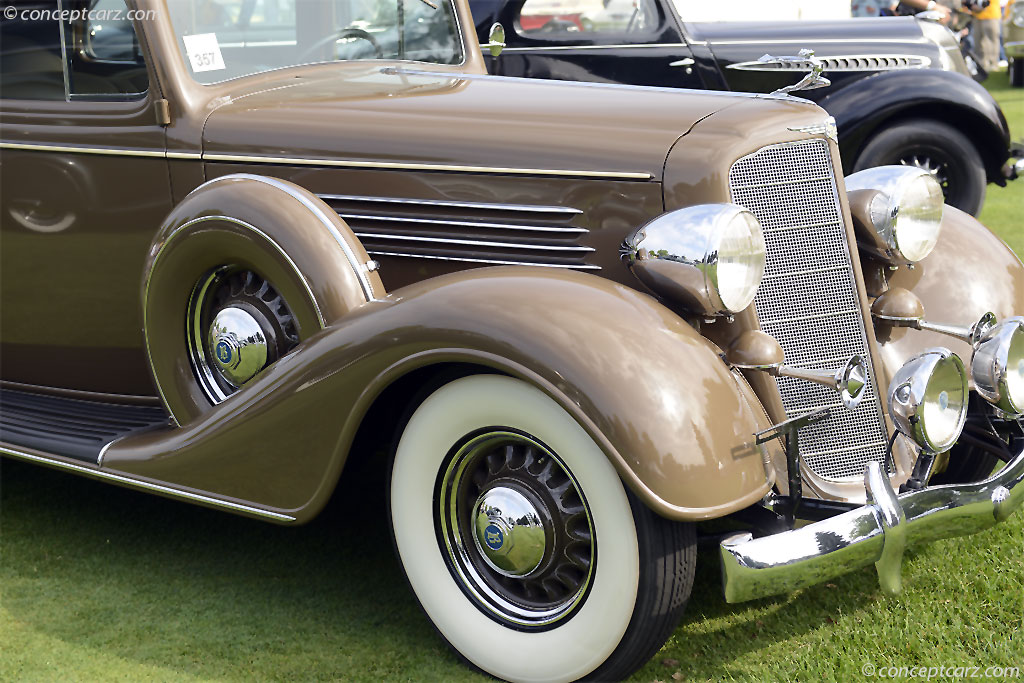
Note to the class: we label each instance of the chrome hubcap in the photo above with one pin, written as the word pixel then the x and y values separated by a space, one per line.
pixel 509 533
pixel 515 529
pixel 239 345
pixel 237 325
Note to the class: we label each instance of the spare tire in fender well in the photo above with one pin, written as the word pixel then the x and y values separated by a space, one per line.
pixel 271 227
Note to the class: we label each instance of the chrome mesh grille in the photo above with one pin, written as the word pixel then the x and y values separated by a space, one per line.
pixel 809 299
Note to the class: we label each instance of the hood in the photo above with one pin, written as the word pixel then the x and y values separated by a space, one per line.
pixel 363 115
pixel 850 49
pixel 884 33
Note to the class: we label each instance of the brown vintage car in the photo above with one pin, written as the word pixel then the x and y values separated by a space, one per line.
pixel 242 241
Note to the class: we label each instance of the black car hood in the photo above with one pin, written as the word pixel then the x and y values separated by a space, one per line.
pixel 833 33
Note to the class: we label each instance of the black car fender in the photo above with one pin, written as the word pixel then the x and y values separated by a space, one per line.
pixel 880 100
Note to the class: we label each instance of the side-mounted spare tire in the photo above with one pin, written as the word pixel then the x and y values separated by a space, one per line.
pixel 245 268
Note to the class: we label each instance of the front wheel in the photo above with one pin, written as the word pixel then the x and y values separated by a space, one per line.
pixel 938 148
pixel 522 545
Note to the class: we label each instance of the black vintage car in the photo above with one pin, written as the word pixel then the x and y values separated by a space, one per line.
pixel 900 91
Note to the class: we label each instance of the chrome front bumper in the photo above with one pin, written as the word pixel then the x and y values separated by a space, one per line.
pixel 876 533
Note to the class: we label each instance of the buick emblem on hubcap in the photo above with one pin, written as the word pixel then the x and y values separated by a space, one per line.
pixel 493 537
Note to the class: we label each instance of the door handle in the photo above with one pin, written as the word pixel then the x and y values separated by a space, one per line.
pixel 688 61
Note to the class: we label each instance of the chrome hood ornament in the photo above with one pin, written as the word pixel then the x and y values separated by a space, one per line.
pixel 828 128
pixel 804 61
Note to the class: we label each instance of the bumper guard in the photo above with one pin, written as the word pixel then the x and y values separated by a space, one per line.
pixel 876 533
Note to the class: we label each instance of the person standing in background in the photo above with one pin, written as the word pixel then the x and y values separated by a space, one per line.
pixel 985 32
pixel 884 8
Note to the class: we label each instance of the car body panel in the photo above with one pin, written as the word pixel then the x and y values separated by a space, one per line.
pixel 281 442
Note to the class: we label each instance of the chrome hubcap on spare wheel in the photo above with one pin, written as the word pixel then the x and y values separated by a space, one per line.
pixel 239 345
pixel 237 325
pixel 515 529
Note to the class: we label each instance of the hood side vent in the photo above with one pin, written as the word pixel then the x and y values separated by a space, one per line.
pixel 468 232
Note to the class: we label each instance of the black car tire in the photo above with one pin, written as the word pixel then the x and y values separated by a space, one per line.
pixel 946 149
pixel 642 566
pixel 1017 72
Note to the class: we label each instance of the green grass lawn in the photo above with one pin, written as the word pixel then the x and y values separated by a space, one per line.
pixel 101 583
pixel 1004 206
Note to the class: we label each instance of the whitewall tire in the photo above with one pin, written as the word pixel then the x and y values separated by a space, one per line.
pixel 521 543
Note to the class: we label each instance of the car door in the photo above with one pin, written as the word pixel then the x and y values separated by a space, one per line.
pixel 85 186
pixel 635 42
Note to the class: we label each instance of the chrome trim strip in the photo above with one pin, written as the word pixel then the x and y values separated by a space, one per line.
pixel 450 204
pixel 875 533
pixel 546 48
pixel 318 161
pixel 36 147
pixel 894 41
pixel 461 224
pixel 358 268
pixel 345 163
pixel 470 243
pixel 103 451
pixel 146 485
pixel 492 262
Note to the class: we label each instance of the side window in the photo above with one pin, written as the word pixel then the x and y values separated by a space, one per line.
pixel 586 19
pixel 102 50
pixel 31 67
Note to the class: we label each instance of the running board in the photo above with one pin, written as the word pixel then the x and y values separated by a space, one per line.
pixel 70 427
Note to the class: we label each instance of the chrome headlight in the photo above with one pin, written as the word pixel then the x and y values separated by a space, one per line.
pixel 928 399
pixel 710 258
pixel 1017 15
pixel 904 210
pixel 998 366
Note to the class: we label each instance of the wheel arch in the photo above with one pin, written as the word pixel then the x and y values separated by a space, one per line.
pixel 888 98
pixel 647 459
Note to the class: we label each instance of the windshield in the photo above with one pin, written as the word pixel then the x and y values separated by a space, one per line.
pixel 224 39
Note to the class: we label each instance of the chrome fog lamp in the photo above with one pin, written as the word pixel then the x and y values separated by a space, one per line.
pixel 998 366
pixel 710 258
pixel 928 399
pixel 901 206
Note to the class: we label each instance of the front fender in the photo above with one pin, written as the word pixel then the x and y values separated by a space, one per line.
pixel 864 105
pixel 654 394
pixel 970 272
